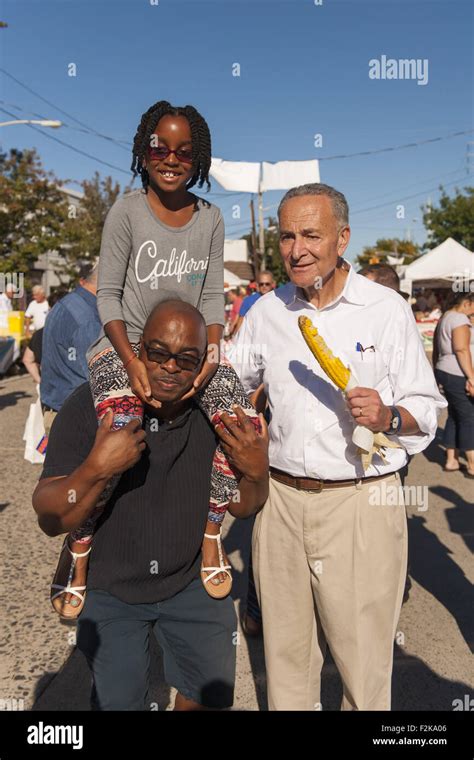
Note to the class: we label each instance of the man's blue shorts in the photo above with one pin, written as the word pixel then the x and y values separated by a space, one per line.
pixel 195 631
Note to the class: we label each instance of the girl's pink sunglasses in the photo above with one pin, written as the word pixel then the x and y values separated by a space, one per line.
pixel 160 152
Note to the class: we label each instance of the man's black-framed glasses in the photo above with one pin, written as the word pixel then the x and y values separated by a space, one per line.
pixel 161 356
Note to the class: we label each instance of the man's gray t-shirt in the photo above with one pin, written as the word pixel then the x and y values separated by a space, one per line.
pixel 144 261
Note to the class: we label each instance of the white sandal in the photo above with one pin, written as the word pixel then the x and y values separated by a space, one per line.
pixel 223 589
pixel 68 589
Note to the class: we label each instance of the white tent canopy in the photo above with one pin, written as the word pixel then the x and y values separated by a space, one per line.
pixel 232 280
pixel 448 262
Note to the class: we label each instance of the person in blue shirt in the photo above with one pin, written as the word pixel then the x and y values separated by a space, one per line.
pixel 248 302
pixel 70 328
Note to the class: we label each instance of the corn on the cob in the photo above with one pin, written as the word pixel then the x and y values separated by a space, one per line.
pixel 332 365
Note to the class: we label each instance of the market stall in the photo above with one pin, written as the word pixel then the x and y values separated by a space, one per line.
pixel 448 264
pixel 430 280
pixel 12 339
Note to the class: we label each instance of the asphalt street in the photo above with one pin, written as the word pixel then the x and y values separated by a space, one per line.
pixel 42 670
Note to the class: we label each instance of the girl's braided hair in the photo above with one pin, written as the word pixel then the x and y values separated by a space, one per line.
pixel 200 136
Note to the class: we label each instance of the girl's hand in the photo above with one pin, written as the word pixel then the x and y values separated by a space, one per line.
pixel 207 372
pixel 139 383
pixel 246 449
pixel 470 387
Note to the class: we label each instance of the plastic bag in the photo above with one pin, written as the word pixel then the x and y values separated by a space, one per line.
pixel 34 433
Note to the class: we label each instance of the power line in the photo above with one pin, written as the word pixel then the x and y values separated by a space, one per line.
pixel 400 190
pixel 398 147
pixel 122 143
pixel 407 198
pixel 235 228
pixel 67 145
pixel 413 184
pixel 376 151
pixel 68 126
pixel 61 110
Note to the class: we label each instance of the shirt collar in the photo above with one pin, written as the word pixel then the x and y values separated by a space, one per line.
pixel 351 292
pixel 86 295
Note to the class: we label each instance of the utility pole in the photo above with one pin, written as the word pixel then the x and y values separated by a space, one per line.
pixel 254 240
pixel 469 156
pixel 261 231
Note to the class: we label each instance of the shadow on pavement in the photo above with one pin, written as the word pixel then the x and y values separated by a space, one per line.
pixel 239 538
pixel 436 452
pixel 432 567
pixel 460 515
pixel 70 688
pixel 10 399
pixel 415 686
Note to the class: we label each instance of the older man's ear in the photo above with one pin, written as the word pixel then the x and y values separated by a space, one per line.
pixel 343 240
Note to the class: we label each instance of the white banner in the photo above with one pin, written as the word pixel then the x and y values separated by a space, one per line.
pixel 236 175
pixel 286 174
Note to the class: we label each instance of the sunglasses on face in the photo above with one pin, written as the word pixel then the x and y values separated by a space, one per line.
pixel 161 152
pixel 161 356
pixel 264 285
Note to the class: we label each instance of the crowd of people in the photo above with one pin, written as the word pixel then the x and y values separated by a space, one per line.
pixel 162 415
pixel 239 300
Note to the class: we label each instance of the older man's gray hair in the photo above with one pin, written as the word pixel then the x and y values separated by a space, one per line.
pixel 89 272
pixel 339 203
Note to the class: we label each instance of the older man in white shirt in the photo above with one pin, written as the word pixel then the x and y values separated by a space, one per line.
pixel 37 310
pixel 330 547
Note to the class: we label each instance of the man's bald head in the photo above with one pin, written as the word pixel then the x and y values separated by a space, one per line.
pixel 175 309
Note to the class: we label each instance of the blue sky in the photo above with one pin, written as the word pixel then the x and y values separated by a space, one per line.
pixel 304 70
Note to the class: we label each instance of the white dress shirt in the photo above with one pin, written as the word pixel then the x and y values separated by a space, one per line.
pixel 311 427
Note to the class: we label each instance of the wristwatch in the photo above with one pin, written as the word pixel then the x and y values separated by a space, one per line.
pixel 395 421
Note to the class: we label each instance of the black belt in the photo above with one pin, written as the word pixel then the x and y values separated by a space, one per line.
pixel 315 484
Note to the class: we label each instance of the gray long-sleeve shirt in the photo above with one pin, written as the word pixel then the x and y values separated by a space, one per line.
pixel 144 261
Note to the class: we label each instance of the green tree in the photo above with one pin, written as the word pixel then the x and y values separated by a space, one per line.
pixel 84 226
pixel 274 261
pixel 377 254
pixel 452 218
pixel 33 211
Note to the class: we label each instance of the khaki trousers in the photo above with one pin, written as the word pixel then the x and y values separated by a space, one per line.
pixel 48 419
pixel 330 569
